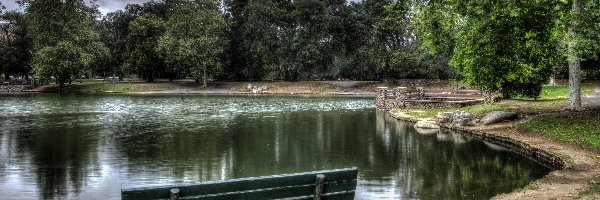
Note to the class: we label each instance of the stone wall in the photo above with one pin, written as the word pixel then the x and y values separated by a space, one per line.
pixel 402 101
pixel 412 82
pixel 14 88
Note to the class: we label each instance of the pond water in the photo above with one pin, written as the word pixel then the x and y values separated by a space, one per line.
pixel 90 146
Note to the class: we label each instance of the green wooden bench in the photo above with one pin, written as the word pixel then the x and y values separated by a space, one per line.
pixel 329 184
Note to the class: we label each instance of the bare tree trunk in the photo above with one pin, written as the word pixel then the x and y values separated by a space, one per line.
pixel 204 78
pixel 574 61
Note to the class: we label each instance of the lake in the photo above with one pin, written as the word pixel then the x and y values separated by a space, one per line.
pixel 90 146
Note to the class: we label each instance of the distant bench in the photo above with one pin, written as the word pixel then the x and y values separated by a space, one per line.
pixel 329 184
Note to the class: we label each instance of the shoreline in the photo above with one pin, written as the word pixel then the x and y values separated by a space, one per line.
pixel 572 167
pixel 175 93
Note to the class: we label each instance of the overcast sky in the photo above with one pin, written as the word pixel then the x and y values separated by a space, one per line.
pixel 106 6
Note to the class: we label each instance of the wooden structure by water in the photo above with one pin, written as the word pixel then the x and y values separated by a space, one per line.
pixel 419 97
pixel 338 184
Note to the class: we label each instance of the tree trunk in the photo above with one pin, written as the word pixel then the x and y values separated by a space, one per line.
pixel 574 60
pixel 204 78
pixel 552 80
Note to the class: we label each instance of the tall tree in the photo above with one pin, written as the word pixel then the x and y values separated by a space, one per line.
pixel 65 43
pixel 505 46
pixel 193 42
pixel 15 44
pixel 141 55
pixel 115 27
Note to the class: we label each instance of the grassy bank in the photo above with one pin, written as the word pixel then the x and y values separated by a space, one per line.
pixel 546 115
pixel 118 87
pixel 581 128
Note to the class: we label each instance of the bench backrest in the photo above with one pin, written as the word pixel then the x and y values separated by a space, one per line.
pixel 329 184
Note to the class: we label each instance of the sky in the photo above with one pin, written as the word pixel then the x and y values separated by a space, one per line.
pixel 106 6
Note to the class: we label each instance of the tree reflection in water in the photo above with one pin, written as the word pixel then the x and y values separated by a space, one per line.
pixel 90 146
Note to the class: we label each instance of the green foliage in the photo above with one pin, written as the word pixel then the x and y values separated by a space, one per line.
pixel 65 43
pixel 115 27
pixel 141 55
pixel 193 42
pixel 61 61
pixel 505 46
pixel 15 44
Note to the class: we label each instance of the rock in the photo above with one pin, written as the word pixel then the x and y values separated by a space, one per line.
pixel 460 118
pixel 498 116
pixel 427 131
pixel 257 89
pixel 427 125
pixel 445 117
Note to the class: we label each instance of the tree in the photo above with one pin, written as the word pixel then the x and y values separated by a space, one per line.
pixel 15 44
pixel 580 30
pixel 65 43
pixel 501 46
pixel 115 27
pixel 193 42
pixel 141 54
pixel 574 59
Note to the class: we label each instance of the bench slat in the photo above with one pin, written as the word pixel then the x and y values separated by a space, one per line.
pixel 282 192
pixel 332 178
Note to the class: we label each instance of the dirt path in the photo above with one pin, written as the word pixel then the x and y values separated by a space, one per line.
pixel 592 102
pixel 582 166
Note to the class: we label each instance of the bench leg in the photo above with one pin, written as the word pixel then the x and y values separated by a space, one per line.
pixel 174 194
pixel 319 186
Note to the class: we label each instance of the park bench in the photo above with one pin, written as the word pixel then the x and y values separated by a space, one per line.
pixel 329 184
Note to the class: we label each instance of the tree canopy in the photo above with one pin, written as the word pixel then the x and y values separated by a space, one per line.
pixel 511 47
pixel 64 43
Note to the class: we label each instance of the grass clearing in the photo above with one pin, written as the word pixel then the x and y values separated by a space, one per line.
pixel 581 128
pixel 561 92
pixel 122 87
pixel 520 106
pixel 290 87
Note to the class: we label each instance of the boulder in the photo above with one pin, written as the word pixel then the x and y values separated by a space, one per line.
pixel 445 117
pixel 498 116
pixel 426 131
pixel 427 125
pixel 463 116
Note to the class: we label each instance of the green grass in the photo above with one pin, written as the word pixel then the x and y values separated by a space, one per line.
pixel 561 92
pixel 121 87
pixel 520 106
pixel 581 128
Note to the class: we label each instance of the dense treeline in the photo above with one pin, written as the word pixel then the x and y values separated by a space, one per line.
pixel 508 46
